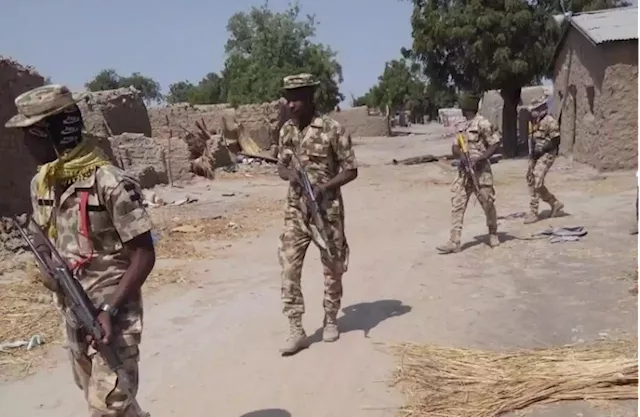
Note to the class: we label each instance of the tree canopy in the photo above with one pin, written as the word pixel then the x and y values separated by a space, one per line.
pixel 210 90
pixel 402 85
pixel 109 79
pixel 484 45
pixel 265 46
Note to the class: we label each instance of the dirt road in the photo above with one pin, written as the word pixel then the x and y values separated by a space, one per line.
pixel 210 345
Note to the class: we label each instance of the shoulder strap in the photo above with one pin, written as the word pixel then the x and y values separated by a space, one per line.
pixel 83 214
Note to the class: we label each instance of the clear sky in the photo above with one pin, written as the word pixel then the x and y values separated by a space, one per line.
pixel 72 40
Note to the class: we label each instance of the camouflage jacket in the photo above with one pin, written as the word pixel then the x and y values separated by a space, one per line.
pixel 116 215
pixel 324 150
pixel 479 134
pixel 544 131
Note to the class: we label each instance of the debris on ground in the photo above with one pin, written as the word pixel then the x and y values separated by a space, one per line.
pixel 26 309
pixel 451 382
pixel 151 199
pixel 10 239
pixel 163 276
pixel 415 160
pixel 563 234
pixel 35 340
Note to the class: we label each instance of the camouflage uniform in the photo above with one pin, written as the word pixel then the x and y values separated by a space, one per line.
pixel 323 150
pixel 116 215
pixel 479 135
pixel 543 133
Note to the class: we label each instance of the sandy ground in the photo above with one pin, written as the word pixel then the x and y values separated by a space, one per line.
pixel 210 342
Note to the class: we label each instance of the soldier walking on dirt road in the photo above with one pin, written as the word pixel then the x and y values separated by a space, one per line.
pixel 482 142
pixel 544 146
pixel 326 155
pixel 93 214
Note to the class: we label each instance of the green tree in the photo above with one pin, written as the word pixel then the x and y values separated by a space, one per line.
pixel 399 88
pixel 485 45
pixel 481 46
pixel 109 79
pixel 179 92
pixel 210 90
pixel 265 46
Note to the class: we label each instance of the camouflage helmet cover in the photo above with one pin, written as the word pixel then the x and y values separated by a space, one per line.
pixel 291 82
pixel 468 101
pixel 42 102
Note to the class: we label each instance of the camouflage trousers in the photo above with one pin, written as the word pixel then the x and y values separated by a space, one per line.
pixel 104 393
pixel 536 174
pixel 292 249
pixel 462 189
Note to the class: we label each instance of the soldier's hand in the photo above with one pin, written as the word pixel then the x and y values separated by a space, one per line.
pixel 318 192
pixel 107 330
pixel 477 162
pixel 294 177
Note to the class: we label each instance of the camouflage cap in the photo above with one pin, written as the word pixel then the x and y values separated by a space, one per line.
pixel 468 101
pixel 42 102
pixel 291 82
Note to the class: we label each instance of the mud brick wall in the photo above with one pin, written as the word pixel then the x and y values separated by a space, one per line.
pixel 598 86
pixel 183 116
pixel 16 165
pixel 122 110
pixel 260 121
pixel 140 156
pixel 359 123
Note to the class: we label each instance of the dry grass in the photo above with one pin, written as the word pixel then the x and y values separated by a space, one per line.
pixel 162 276
pixel 26 309
pixel 450 382
pixel 178 233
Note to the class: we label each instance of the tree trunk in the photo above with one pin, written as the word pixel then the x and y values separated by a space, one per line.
pixel 511 99
pixel 388 116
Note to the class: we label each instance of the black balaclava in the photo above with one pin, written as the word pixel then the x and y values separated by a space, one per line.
pixel 64 129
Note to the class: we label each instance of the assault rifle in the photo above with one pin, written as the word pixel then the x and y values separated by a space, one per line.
pixel 81 308
pixel 467 165
pixel 316 211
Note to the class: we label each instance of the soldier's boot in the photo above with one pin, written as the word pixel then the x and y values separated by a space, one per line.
pixel 556 207
pixel 452 246
pixel 296 339
pixel 531 217
pixel 330 332
pixel 494 241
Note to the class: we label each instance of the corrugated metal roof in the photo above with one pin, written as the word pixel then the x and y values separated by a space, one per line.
pixel 608 25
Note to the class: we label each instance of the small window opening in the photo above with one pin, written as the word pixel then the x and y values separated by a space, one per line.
pixel 590 95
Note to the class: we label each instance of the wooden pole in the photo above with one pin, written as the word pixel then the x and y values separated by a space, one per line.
pixel 167 157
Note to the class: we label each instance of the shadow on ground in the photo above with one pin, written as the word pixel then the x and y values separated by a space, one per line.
pixel 366 316
pixel 271 412
pixel 544 215
pixel 484 239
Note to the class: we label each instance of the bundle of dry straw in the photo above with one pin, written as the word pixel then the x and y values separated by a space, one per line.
pixel 450 382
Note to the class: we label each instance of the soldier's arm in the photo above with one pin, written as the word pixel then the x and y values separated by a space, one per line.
pixel 346 157
pixel 41 247
pixel 133 224
pixel 284 156
pixel 491 137
pixel 552 131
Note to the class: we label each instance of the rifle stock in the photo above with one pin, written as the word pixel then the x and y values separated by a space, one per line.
pixel 316 210
pixel 80 307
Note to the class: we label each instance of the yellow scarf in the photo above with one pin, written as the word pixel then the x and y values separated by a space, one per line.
pixel 77 164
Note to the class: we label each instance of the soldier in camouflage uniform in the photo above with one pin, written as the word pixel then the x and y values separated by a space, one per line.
pixel 325 152
pixel 544 150
pixel 482 142
pixel 93 213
